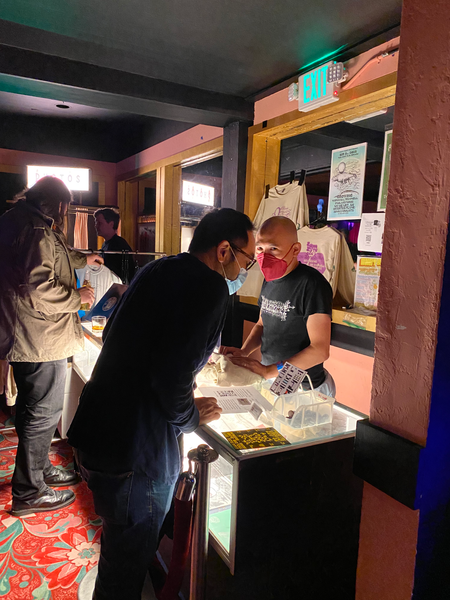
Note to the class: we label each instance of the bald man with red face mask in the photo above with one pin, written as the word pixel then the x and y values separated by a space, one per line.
pixel 295 319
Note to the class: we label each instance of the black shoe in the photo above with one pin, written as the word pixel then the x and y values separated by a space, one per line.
pixel 59 478
pixel 51 500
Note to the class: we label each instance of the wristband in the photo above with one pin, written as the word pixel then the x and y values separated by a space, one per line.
pixel 280 365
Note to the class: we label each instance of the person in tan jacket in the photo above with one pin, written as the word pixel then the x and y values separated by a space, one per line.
pixel 39 330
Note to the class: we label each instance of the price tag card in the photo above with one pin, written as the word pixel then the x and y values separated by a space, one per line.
pixel 255 411
pixel 288 381
pixel 247 439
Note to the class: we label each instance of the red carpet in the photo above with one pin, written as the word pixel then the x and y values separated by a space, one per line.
pixel 45 556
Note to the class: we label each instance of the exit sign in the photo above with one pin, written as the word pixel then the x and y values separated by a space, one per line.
pixel 315 91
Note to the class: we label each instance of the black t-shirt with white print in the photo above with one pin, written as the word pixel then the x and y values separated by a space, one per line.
pixel 285 305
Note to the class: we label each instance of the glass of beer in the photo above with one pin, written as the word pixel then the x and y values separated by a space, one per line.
pixel 98 324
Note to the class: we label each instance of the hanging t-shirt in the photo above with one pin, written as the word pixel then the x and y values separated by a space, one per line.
pixel 347 275
pixel 288 201
pixel 100 278
pixel 326 250
pixel 285 305
pixel 321 249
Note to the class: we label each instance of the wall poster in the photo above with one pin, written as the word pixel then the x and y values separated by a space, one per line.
pixel 385 171
pixel 370 237
pixel 348 168
pixel 368 270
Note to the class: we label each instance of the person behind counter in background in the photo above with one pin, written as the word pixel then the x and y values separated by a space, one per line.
pixel 39 329
pixel 140 396
pixel 295 319
pixel 106 224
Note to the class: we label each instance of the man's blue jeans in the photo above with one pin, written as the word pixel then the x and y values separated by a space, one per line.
pixel 132 507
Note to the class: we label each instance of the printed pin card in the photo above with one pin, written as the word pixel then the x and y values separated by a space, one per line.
pixel 289 380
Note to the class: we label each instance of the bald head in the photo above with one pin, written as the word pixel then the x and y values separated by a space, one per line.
pixel 278 237
pixel 279 229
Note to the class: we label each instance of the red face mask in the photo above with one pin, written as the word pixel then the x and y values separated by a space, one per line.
pixel 271 266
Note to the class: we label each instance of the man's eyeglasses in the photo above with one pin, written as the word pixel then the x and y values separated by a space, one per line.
pixel 251 259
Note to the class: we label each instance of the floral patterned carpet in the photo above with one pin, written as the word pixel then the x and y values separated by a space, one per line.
pixel 46 555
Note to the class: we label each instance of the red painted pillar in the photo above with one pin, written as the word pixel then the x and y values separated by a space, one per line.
pixel 410 289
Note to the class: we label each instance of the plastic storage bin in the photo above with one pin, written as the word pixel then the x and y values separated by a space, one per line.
pixel 303 409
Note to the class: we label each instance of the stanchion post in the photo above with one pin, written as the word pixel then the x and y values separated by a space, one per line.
pixel 203 456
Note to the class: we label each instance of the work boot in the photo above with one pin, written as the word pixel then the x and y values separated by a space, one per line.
pixel 50 500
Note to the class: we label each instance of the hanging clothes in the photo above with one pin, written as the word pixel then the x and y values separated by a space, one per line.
pixel 321 250
pixel 100 277
pixel 290 201
pixel 80 233
pixel 326 250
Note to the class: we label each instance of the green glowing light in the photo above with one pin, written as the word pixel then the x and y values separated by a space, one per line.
pixel 323 58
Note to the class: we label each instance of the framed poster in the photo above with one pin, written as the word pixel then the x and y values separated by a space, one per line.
pixel 348 168
pixel 385 171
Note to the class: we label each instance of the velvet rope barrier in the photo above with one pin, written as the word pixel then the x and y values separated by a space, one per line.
pixel 182 532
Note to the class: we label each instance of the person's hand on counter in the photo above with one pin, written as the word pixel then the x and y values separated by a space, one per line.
pixel 231 351
pixel 94 259
pixel 87 295
pixel 208 408
pixel 255 366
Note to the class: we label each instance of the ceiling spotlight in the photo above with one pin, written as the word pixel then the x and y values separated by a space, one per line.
pixel 64 106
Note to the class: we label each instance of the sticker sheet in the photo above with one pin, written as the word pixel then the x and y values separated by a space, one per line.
pixel 255 438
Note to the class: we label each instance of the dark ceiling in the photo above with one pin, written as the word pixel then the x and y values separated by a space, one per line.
pixel 184 61
pixel 36 125
pixel 231 46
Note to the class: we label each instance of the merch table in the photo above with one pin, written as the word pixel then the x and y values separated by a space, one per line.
pixel 283 520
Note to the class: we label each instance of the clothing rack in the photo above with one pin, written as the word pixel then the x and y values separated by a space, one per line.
pixel 121 252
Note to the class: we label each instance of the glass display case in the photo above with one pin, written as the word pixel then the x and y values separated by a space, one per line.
pixel 293 510
pixel 83 363
pixel 225 472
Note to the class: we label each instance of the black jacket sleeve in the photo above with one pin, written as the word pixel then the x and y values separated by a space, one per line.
pixel 189 341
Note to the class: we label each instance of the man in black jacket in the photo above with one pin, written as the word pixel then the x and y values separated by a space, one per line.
pixel 140 396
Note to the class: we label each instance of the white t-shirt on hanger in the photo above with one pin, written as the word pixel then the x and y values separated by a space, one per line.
pixel 288 201
pixel 101 279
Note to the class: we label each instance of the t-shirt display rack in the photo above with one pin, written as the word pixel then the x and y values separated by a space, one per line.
pixel 126 252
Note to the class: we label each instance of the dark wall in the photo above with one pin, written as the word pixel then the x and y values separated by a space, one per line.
pixel 109 141
pixel 10 185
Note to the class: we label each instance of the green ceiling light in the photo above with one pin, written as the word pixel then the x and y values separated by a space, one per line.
pixel 323 58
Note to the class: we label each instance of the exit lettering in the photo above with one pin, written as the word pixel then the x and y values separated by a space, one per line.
pixel 315 85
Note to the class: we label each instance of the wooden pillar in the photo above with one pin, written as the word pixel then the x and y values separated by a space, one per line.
pixel 399 545
pixel 168 186
pixel 263 165
pixel 129 213
pixel 235 141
